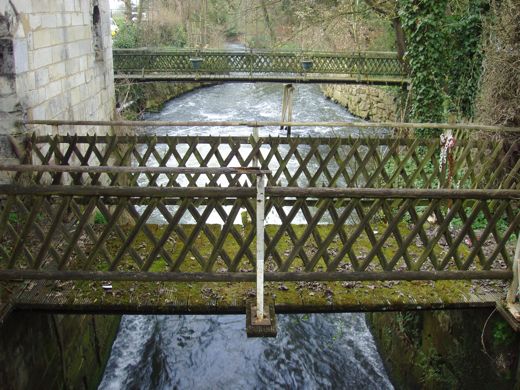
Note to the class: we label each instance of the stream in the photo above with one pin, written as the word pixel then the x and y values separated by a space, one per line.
pixel 318 351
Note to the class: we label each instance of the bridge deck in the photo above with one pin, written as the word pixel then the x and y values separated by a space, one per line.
pixel 226 298
pixel 272 78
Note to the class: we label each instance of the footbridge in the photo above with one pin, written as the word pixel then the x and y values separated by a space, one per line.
pixel 182 224
pixel 185 65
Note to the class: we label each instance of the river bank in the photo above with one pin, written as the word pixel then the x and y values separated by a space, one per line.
pixel 134 100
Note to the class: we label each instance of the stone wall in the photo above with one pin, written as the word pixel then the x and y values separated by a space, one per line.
pixel 59 64
pixel 50 351
pixel 371 103
pixel 150 97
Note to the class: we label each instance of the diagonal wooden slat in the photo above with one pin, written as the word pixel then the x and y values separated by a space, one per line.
pixel 28 226
pixel 78 232
pixel 136 229
pixel 56 222
pixel 173 223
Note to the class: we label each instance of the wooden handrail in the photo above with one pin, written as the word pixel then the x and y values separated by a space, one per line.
pixel 402 125
pixel 285 192
pixel 134 169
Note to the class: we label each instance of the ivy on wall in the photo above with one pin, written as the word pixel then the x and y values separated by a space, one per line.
pixel 444 57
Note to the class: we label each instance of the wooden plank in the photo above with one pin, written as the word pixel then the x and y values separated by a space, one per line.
pixel 140 169
pixel 394 193
pixel 398 125
pixel 243 192
pixel 510 313
pixel 182 308
pixel 251 276
pixel 122 192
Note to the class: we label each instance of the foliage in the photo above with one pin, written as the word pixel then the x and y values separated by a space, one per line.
pixel 13 218
pixel 409 325
pixel 127 37
pixel 423 24
pixel 436 371
pixel 444 56
pixel 464 59
pixel 99 218
pixel 502 334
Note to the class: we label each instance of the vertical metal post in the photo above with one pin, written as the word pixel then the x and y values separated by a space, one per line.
pixel 260 250
pixel 260 219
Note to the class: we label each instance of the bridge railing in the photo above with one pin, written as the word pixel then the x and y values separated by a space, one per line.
pixel 387 162
pixel 184 61
pixel 132 207
pixel 154 233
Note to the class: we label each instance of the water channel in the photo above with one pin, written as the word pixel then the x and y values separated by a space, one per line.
pixel 320 351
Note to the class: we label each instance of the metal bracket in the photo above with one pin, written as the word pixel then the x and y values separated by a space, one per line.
pixel 265 327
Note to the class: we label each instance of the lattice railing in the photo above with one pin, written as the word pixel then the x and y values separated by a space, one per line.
pixel 184 208
pixel 208 233
pixel 294 162
pixel 182 61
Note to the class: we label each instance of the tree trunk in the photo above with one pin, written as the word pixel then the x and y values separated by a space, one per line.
pixel 140 10
pixel 400 40
pixel 128 10
pixel 268 21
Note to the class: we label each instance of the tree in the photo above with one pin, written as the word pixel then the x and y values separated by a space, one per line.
pixel 389 9
pixel 128 10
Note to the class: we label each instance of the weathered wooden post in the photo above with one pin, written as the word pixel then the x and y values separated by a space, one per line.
pixel 288 90
pixel 513 307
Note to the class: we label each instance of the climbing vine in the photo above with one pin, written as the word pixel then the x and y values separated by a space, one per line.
pixel 444 57
pixel 464 56
pixel 423 24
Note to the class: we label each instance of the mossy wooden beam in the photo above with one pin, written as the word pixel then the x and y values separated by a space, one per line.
pixel 11 274
pixel 224 298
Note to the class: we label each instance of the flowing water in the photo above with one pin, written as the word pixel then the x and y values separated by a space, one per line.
pixel 320 351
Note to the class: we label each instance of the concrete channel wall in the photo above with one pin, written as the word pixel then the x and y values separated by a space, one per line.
pixel 51 351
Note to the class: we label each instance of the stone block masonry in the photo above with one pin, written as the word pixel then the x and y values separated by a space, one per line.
pixel 56 64
pixel 372 103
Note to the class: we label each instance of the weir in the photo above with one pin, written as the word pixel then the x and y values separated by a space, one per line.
pixel 387 215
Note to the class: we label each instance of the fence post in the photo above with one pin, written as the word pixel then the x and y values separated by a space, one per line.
pixel 514 289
